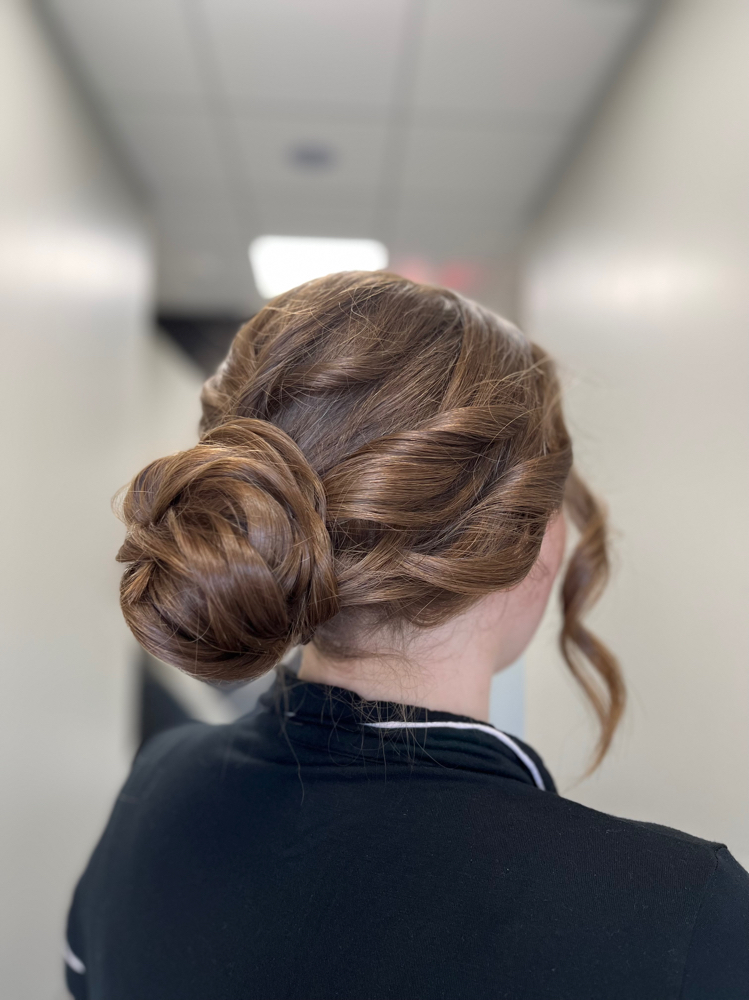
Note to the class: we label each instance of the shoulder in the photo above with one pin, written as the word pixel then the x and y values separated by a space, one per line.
pixel 181 792
pixel 657 858
pixel 654 837
pixel 181 762
pixel 172 792
pixel 686 864
pixel 661 869
pixel 187 744
pixel 718 958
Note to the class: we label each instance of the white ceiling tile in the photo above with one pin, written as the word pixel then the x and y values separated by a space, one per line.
pixel 445 229
pixel 135 50
pixel 342 214
pixel 525 59
pixel 268 144
pixel 306 52
pixel 172 150
pixel 491 166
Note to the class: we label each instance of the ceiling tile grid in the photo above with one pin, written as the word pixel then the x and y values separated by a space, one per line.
pixel 529 61
pixel 309 53
pixel 489 165
pixel 434 125
pixel 174 151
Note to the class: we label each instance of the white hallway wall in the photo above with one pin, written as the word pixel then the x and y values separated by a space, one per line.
pixel 636 278
pixel 87 397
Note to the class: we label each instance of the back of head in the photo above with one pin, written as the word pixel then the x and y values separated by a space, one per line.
pixel 373 451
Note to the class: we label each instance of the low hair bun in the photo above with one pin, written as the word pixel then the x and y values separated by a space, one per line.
pixel 229 559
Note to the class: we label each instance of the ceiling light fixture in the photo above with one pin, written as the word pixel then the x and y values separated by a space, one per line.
pixel 283 262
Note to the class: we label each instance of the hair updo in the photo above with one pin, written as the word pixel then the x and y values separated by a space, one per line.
pixel 372 451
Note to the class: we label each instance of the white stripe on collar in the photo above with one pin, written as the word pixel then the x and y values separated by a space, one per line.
pixel 502 737
pixel 72 960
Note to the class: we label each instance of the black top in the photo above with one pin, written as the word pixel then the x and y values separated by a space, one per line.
pixel 302 854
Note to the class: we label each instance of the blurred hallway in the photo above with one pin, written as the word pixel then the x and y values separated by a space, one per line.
pixel 578 165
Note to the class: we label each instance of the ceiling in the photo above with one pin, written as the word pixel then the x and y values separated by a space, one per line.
pixel 435 126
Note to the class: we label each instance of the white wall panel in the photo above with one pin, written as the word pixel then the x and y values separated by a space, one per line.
pixel 636 279
pixel 74 300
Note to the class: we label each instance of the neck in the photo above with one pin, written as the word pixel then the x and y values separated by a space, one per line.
pixel 450 668
pixel 447 669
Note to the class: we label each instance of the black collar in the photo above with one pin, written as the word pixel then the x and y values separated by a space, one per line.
pixel 345 727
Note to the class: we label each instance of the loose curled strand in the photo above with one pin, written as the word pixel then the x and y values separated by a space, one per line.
pixel 584 581
pixel 374 453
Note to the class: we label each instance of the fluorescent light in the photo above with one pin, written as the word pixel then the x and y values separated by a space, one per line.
pixel 283 262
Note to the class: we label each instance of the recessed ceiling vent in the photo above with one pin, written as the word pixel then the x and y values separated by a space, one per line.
pixel 312 156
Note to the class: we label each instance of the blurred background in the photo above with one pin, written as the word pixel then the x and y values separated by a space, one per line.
pixel 578 165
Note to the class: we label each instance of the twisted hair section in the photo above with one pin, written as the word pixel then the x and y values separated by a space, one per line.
pixel 373 453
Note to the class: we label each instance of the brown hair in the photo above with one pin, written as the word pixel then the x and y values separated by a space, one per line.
pixel 372 451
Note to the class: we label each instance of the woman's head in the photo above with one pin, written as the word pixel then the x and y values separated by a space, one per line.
pixel 374 454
